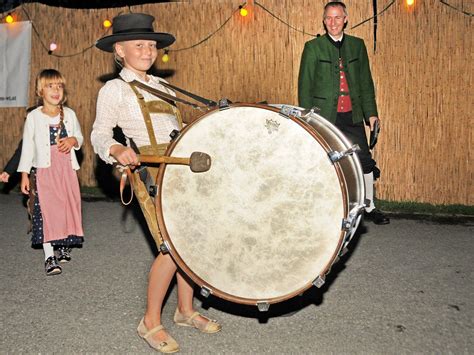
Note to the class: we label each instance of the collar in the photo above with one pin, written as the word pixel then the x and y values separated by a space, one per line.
pixel 336 42
pixel 128 75
pixel 337 39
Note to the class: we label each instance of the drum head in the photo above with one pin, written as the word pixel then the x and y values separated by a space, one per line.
pixel 265 220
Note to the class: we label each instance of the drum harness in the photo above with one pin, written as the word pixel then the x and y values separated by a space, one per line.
pixel 168 105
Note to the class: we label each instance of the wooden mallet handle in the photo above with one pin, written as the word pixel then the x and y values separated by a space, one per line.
pixel 198 162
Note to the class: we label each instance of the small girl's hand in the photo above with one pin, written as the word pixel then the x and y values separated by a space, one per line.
pixel 25 183
pixel 4 177
pixel 65 144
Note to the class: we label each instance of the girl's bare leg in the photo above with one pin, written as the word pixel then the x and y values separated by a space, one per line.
pixel 185 298
pixel 159 279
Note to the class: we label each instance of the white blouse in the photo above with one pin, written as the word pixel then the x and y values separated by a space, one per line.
pixel 117 105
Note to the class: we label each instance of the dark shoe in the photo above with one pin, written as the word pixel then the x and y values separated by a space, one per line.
pixel 51 266
pixel 376 216
pixel 64 255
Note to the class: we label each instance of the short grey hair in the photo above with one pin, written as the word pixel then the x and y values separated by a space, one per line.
pixel 335 4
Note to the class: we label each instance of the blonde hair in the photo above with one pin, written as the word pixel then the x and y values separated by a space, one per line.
pixel 118 59
pixel 46 77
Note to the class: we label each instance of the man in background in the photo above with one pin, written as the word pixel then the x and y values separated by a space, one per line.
pixel 335 77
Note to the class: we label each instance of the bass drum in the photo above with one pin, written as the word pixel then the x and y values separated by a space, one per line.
pixel 274 211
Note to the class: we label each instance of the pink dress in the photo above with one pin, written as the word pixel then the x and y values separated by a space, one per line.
pixel 59 196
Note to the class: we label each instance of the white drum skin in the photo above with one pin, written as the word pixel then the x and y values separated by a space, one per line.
pixel 265 221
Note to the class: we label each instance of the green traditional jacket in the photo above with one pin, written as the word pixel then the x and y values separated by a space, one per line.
pixel 319 78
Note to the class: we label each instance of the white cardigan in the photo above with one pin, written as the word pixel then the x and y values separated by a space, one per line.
pixel 36 146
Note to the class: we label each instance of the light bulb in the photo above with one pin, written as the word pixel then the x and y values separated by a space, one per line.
pixel 243 12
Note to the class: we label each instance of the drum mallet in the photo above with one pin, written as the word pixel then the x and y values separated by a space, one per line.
pixel 198 162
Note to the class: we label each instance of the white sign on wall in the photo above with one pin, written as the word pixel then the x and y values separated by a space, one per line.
pixel 15 58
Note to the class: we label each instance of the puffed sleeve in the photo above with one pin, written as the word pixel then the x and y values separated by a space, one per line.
pixel 28 147
pixel 105 121
pixel 76 130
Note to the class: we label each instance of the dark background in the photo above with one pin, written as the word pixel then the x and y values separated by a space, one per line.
pixel 6 5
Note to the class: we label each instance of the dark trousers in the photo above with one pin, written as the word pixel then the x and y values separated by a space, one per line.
pixel 355 132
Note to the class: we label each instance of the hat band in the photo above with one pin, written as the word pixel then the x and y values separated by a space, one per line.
pixel 134 30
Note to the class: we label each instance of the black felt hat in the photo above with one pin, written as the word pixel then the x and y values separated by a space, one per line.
pixel 133 26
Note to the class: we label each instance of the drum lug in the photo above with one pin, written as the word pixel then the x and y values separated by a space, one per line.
pixel 287 111
pixel 174 134
pixel 335 156
pixel 343 252
pixel 263 306
pixel 319 281
pixel 224 104
pixel 164 247
pixel 205 291
pixel 349 223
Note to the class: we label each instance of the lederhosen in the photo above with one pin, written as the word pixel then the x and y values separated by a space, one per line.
pixel 140 189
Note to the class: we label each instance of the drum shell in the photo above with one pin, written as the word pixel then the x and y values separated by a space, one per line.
pixel 348 175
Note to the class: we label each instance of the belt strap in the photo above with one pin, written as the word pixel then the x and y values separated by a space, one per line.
pixel 198 98
pixel 146 115
pixel 166 97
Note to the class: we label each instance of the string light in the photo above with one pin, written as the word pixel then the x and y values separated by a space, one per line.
pixel 52 47
pixel 9 19
pixel 166 57
pixel 243 11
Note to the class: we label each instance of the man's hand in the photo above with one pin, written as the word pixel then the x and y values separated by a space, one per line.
pixel 372 120
pixel 65 144
pixel 124 155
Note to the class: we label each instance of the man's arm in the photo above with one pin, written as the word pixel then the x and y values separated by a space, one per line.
pixel 367 90
pixel 306 77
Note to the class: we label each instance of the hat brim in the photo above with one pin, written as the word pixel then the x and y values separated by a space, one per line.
pixel 162 39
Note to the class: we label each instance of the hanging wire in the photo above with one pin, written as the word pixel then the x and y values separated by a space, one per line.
pixel 47 48
pixel 457 9
pixel 370 18
pixel 279 19
pixel 211 34
pixel 298 30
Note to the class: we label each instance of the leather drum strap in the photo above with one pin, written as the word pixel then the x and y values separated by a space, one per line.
pixel 146 116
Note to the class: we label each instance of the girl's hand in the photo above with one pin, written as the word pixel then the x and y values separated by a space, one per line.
pixel 25 183
pixel 124 155
pixel 65 144
pixel 4 176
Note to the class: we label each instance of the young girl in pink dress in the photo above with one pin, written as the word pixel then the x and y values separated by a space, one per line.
pixel 51 136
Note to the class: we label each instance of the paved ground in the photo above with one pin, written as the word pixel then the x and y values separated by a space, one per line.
pixel 404 288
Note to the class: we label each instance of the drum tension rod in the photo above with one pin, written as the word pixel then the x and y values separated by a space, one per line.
pixel 287 111
pixel 335 156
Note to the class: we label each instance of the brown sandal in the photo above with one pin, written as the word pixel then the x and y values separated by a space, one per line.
pixel 211 326
pixel 168 346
